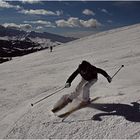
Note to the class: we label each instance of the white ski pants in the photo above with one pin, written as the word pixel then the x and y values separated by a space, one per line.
pixel 82 90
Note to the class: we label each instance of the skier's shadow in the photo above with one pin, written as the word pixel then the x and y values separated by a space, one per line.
pixel 129 112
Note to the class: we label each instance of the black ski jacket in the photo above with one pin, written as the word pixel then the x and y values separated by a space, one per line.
pixel 87 71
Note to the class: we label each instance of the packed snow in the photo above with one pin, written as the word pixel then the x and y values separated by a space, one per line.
pixel 116 113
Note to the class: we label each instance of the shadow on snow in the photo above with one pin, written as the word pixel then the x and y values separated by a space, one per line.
pixel 129 112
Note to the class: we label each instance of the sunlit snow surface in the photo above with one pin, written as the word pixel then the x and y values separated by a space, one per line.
pixel 26 79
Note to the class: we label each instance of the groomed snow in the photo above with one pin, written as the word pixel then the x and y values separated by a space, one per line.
pixel 27 79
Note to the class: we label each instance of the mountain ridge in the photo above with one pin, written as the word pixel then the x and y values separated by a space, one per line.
pixel 10 32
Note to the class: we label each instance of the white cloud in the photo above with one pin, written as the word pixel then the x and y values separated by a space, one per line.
pixel 37 12
pixel 88 12
pixel 41 12
pixel 38 22
pixel 76 22
pixel 31 1
pixel 18 26
pixel 58 13
pixel 90 23
pixel 104 11
pixel 62 23
pixel 4 4
pixel 50 26
pixel 39 27
pixel 71 22
pixel 41 22
pixel 25 26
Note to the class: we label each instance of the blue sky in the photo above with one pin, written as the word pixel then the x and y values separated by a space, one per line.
pixel 69 18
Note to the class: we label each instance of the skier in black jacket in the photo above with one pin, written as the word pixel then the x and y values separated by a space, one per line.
pixel 89 74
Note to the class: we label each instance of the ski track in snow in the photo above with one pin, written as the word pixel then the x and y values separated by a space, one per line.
pixel 27 79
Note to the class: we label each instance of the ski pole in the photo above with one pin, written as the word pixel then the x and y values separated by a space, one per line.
pixel 32 104
pixel 117 71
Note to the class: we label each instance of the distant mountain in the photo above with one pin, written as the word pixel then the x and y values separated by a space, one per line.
pixel 14 42
pixel 12 48
pixel 19 34
pixel 9 32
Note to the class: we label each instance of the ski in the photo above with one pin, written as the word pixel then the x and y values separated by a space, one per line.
pixel 54 110
pixel 62 102
pixel 80 106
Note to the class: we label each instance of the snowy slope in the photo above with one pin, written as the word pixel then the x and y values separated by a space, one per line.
pixel 29 78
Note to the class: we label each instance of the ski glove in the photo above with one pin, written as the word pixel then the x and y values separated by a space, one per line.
pixel 109 79
pixel 67 85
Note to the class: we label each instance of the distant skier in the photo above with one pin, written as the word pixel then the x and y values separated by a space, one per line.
pixel 51 48
pixel 89 74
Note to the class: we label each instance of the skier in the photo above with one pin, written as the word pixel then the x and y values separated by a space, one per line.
pixel 89 74
pixel 51 48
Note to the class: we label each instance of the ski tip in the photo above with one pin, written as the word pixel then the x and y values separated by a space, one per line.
pixel 63 115
pixel 54 110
